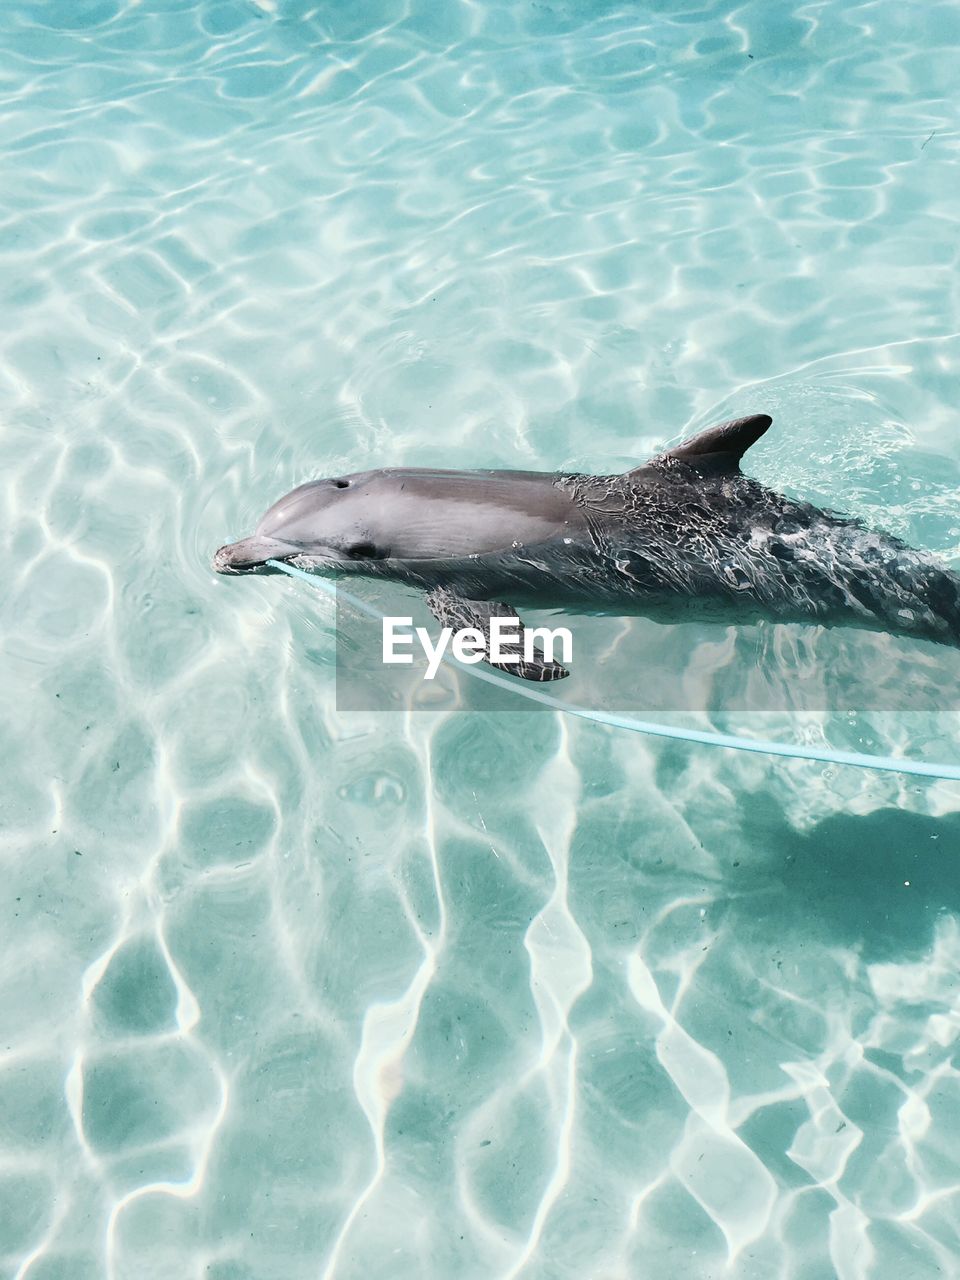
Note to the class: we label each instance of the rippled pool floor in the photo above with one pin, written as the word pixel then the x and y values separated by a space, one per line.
pixel 294 992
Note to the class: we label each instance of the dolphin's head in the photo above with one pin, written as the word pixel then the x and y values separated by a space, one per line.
pixel 403 514
pixel 349 518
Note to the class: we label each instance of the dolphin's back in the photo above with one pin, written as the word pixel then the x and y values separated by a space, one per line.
pixel 672 530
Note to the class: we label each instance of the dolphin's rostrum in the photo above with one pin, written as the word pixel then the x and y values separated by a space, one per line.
pixel 687 529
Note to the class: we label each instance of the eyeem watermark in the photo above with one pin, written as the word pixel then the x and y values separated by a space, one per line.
pixel 469 644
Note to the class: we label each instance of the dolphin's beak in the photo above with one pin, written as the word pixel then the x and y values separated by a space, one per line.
pixel 251 554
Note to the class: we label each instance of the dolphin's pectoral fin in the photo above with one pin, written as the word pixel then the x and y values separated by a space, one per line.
pixel 454 611
pixel 720 448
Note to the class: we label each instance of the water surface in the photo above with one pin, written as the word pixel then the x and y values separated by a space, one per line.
pixel 294 992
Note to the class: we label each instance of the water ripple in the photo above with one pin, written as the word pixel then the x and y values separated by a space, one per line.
pixel 291 990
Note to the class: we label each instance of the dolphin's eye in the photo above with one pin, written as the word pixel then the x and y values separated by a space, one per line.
pixel 342 484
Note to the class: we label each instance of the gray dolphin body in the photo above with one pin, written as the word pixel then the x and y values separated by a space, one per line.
pixel 686 530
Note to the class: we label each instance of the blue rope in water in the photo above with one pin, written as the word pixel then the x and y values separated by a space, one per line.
pixel 856 759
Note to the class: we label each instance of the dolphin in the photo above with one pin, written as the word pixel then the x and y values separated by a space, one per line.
pixel 685 532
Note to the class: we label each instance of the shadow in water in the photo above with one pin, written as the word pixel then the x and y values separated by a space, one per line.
pixel 876 882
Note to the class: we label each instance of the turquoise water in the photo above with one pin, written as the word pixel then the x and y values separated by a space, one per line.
pixel 296 992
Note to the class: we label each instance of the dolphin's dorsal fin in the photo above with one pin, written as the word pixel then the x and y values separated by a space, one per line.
pixel 720 448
